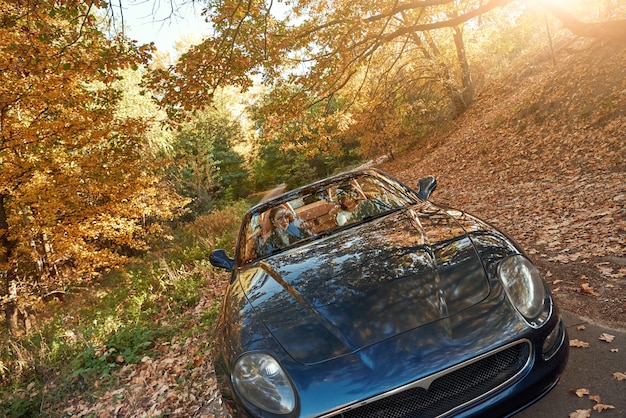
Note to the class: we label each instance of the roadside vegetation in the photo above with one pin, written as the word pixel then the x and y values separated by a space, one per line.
pixel 90 335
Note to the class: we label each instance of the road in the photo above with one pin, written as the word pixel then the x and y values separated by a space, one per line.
pixel 589 368
pixel 274 192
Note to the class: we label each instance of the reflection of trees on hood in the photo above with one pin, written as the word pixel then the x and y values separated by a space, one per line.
pixel 368 283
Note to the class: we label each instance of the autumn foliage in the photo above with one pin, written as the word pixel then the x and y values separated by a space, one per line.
pixel 517 108
pixel 79 193
pixel 379 73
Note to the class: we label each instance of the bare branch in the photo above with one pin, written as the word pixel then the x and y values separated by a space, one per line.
pixel 448 23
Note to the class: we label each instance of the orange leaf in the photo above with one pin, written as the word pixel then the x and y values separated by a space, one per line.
pixel 588 289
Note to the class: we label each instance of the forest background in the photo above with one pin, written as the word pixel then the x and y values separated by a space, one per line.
pixel 121 169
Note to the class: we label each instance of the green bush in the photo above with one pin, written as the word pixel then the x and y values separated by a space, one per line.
pixel 115 322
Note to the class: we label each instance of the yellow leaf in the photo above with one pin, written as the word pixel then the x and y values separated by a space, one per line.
pixel 577 343
pixel 580 392
pixel 580 413
pixel 607 337
pixel 601 407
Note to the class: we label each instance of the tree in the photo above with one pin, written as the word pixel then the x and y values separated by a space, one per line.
pixel 79 190
pixel 325 51
pixel 309 40
pixel 287 154
pixel 325 47
pixel 205 167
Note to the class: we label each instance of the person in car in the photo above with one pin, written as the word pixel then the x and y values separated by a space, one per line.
pixel 354 206
pixel 286 230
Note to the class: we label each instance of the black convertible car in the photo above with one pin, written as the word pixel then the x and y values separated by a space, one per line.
pixel 357 297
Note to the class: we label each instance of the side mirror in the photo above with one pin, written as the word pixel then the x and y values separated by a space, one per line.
pixel 426 186
pixel 220 259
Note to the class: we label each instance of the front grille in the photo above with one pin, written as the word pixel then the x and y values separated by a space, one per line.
pixel 451 390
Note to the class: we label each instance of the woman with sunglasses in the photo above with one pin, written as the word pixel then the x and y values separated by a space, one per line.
pixel 285 230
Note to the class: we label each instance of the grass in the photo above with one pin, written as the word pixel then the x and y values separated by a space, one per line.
pixel 89 337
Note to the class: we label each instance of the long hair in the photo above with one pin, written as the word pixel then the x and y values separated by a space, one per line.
pixel 277 209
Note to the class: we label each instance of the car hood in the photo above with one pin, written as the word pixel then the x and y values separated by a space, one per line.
pixel 365 284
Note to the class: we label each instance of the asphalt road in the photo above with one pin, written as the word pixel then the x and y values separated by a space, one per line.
pixel 589 368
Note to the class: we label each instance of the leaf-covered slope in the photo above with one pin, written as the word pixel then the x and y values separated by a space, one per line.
pixel 542 154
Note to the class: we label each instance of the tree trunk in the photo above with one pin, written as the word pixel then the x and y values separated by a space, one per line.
pixel 11 311
pixel 467 85
pixel 443 72
pixel 9 286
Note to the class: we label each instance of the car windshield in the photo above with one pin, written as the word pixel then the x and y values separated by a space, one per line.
pixel 317 211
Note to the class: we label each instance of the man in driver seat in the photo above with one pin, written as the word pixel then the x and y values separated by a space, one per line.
pixel 354 205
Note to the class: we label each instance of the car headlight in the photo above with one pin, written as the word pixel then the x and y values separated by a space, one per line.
pixel 525 287
pixel 260 380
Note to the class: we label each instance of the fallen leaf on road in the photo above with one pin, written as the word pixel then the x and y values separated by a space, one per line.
pixel 577 343
pixel 580 328
pixel 614 350
pixel 580 413
pixel 607 337
pixel 606 270
pixel 595 398
pixel 619 376
pixel 580 392
pixel 588 289
pixel 601 407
